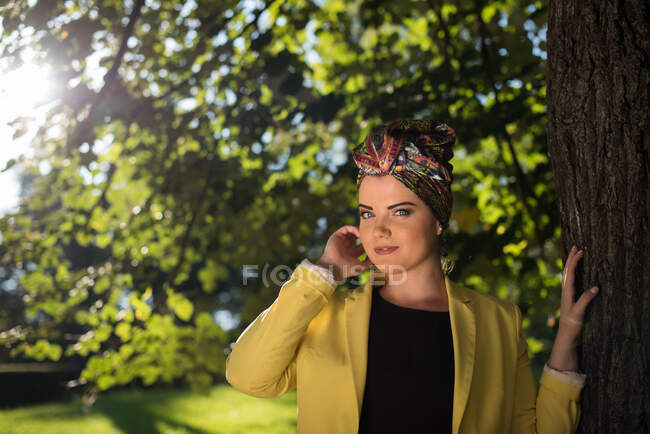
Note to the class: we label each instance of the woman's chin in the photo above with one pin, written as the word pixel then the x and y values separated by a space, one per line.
pixel 389 267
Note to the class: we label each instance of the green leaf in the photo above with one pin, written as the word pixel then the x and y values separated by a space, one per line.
pixel 180 305
pixel 42 349
pixel 102 284
pixel 123 330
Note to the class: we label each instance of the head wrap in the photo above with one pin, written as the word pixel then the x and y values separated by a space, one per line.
pixel 417 153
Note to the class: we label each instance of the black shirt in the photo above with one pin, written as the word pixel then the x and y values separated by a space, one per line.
pixel 410 373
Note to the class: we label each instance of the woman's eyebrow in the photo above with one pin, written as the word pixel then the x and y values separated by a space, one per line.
pixel 390 207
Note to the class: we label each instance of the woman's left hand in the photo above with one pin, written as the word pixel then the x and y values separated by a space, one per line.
pixel 564 356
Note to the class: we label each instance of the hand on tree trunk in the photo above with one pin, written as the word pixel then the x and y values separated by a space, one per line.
pixel 564 355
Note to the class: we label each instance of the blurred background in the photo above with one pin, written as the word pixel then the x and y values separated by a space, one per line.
pixel 151 150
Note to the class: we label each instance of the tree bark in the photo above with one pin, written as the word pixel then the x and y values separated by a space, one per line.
pixel 597 98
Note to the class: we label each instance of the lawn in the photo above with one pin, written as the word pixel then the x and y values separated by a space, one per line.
pixel 224 410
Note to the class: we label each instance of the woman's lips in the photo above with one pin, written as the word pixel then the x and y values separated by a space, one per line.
pixel 387 251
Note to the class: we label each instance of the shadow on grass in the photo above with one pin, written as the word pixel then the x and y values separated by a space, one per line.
pixel 159 410
pixel 134 411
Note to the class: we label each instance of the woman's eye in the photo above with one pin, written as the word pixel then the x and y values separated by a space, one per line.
pixel 405 211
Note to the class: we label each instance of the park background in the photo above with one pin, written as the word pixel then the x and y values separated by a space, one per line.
pixel 152 150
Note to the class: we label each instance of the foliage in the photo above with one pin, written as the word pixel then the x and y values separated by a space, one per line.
pixel 189 139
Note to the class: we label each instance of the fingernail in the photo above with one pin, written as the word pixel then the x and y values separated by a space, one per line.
pixel 573 248
pixel 594 290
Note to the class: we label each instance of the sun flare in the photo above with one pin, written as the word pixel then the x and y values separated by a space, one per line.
pixel 22 90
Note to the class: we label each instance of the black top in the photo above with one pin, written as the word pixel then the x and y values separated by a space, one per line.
pixel 410 373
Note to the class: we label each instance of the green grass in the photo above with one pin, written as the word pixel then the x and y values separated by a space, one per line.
pixel 224 410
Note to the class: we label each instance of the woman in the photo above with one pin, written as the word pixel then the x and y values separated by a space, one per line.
pixel 409 350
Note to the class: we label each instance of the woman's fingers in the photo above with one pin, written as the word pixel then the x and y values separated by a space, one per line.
pixel 348 228
pixel 574 312
pixel 582 303
pixel 570 267
pixel 350 233
pixel 566 301
pixel 568 288
pixel 358 250
pixel 575 316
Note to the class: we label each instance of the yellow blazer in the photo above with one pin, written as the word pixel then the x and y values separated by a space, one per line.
pixel 315 339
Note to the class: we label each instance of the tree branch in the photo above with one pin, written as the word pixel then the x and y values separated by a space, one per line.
pixel 525 191
pixel 85 126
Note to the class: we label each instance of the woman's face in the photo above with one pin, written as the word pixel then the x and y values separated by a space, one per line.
pixel 392 215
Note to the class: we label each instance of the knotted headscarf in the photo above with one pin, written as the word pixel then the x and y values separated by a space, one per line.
pixel 417 153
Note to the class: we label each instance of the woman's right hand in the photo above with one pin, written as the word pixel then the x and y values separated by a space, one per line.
pixel 341 253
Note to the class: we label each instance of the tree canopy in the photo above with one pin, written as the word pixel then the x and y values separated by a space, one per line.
pixel 187 140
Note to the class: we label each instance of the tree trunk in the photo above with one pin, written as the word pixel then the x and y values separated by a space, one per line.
pixel 597 90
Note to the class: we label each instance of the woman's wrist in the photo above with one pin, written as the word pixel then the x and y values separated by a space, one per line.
pixel 331 266
pixel 564 355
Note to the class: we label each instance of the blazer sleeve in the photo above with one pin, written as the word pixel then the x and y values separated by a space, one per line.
pixel 554 409
pixel 262 362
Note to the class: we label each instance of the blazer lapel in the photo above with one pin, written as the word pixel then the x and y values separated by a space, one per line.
pixel 357 321
pixel 463 328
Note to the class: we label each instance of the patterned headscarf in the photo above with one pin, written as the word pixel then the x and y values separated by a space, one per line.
pixel 417 153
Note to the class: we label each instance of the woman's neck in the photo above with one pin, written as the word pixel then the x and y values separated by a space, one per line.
pixel 421 287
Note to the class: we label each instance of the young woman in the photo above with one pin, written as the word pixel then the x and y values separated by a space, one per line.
pixel 409 350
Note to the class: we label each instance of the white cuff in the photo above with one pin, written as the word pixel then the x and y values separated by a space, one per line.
pixel 570 377
pixel 324 272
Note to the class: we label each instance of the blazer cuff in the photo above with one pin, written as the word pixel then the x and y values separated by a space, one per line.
pixel 324 272
pixel 570 377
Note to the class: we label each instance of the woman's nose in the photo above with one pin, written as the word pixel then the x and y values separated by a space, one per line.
pixel 381 229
